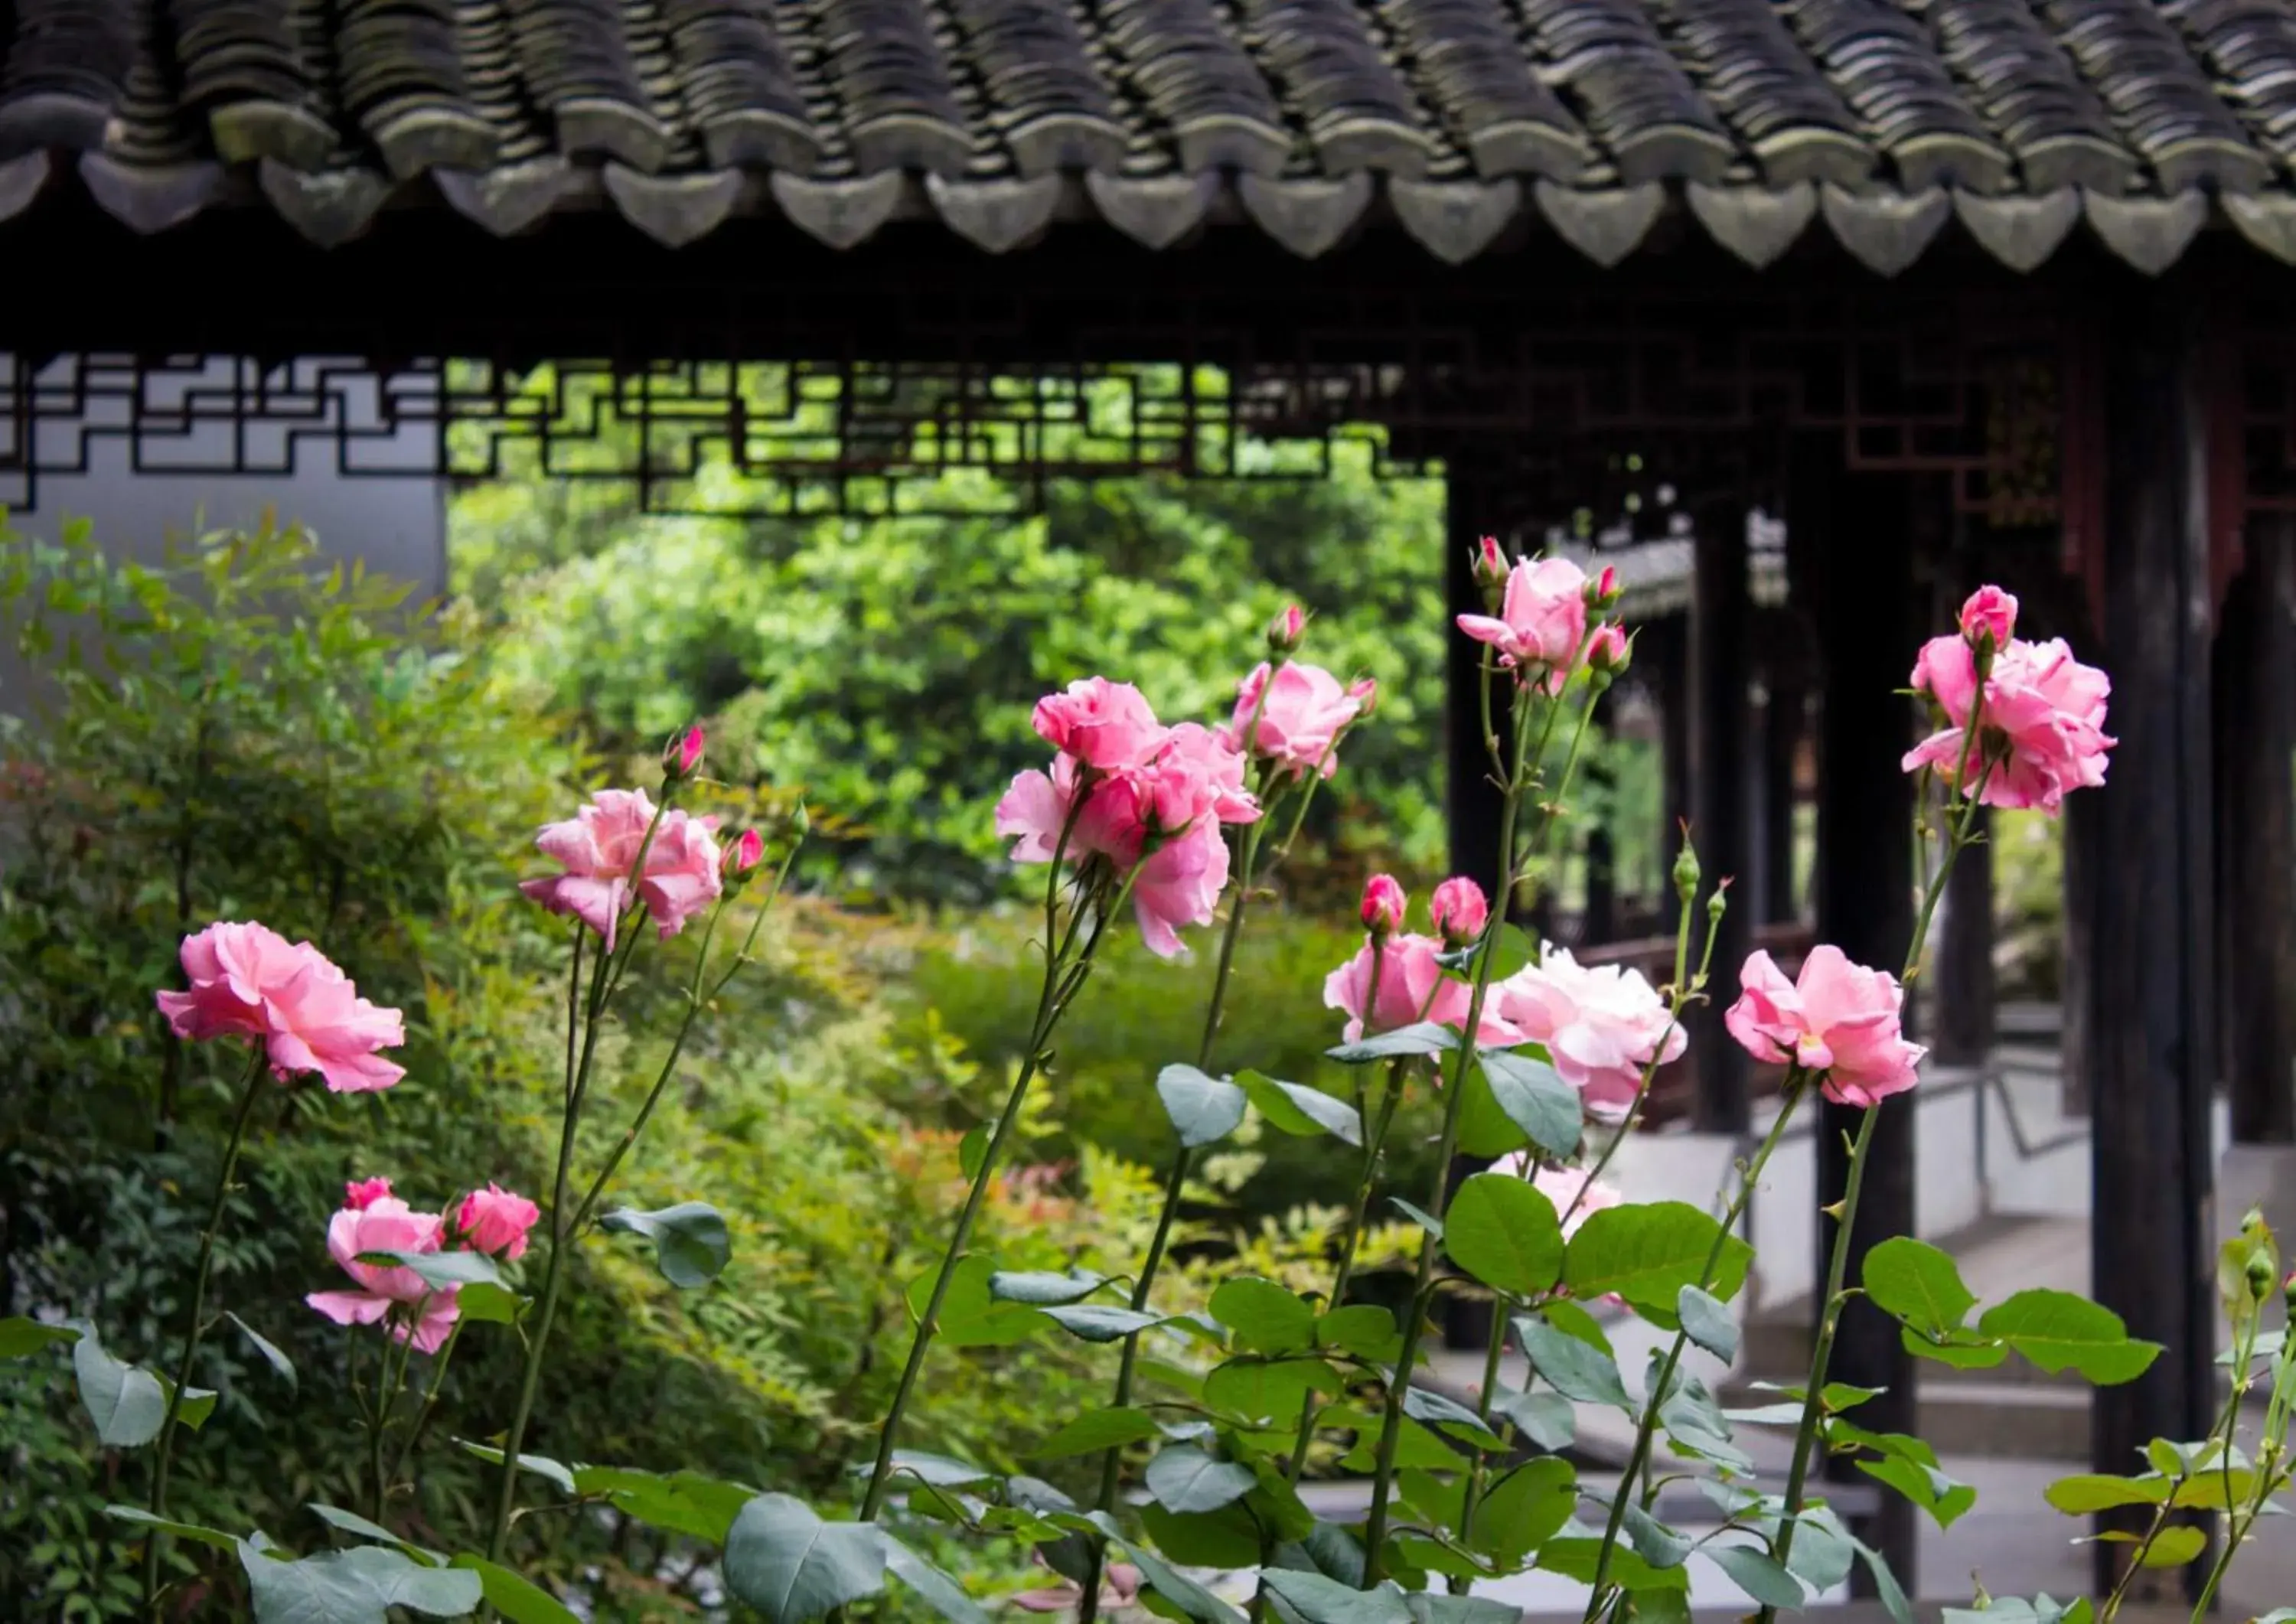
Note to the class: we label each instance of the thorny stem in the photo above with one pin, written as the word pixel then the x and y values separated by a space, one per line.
pixel 1846 1215
pixel 1447 1146
pixel 605 976
pixel 422 1417
pixel 194 1327
pixel 1062 982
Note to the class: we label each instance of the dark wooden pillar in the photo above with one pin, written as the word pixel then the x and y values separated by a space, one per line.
pixel 2085 862
pixel 1665 645
pixel 2255 698
pixel 1719 741
pixel 2151 1027
pixel 1598 920
pixel 1781 732
pixel 1474 799
pixel 1961 958
pixel 1868 628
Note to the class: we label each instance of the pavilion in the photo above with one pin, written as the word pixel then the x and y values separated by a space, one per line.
pixel 1957 287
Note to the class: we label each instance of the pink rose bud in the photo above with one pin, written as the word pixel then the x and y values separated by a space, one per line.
pixel 1608 649
pixel 1990 613
pixel 684 755
pixel 1460 910
pixel 1491 569
pixel 1285 631
pixel 364 1193
pixel 495 1221
pixel 743 856
pixel 1365 691
pixel 1602 591
pixel 1384 904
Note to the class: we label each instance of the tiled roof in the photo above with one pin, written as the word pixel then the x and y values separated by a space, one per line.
pixel 1473 125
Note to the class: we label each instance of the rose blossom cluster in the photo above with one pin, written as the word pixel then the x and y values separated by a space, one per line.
pixel 1541 628
pixel 248 981
pixel 1147 798
pixel 1302 711
pixel 599 849
pixel 2041 726
pixel 494 1221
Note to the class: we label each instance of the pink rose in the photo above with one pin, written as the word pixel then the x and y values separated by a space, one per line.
pixel 1285 633
pixel 1602 1025
pixel 1602 591
pixel 1563 1187
pixel 495 1221
pixel 1036 808
pixel 1301 721
pixel 1101 723
pixel 1490 564
pixel 1840 1021
pixel 2041 728
pixel 743 856
pixel 1365 691
pixel 1412 988
pixel 250 981
pixel 1384 905
pixel 1180 884
pixel 683 754
pixel 388 1225
pixel 1460 910
pixel 362 1193
pixel 1541 622
pixel 1196 775
pixel 598 846
pixel 1608 649
pixel 1989 612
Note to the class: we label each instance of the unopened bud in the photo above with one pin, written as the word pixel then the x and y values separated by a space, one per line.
pixel 1383 905
pixel 2259 1274
pixel 1685 872
pixel 1989 618
pixel 1460 910
pixel 1365 691
pixel 1285 631
pixel 2288 1292
pixel 683 755
pixel 1719 903
pixel 744 855
pixel 1603 589
pixel 1609 650
pixel 1490 568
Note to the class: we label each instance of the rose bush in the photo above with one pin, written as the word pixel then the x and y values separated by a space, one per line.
pixel 1222 1399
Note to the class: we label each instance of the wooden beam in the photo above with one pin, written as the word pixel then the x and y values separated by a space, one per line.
pixel 1868 628
pixel 2255 704
pixel 2149 1063
pixel 1721 743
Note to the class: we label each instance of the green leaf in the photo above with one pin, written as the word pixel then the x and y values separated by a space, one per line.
pixel 1043 1290
pixel 1227 1537
pixel 1945 1498
pixel 940 1470
pixel 2010 1609
pixel 1434 1607
pixel 1424 1403
pixel 358 1586
pixel 2085 1492
pixel 1655 1543
pixel 1102 1321
pixel 1265 1316
pixel 1886 1588
pixel 1754 1572
pixel 1707 1322
pixel 2175 1545
pixel 279 1362
pixel 970 1150
pixel 2216 1489
pixel 488 1304
pixel 126 1402
pixel 1575 1558
pixel 1095 1430
pixel 1914 1282
pixel 440 1270
pixel 690 1246
pixel 678 1502
pixel 1426 1221
pixel 1962 1349
pixel 1547 1420
pixel 550 1471
pixel 1362 1328
pixel 1525 1509
pixel 352 1522
pixel 1324 1601
pixel 1272 1389
pixel 792 1566
pixel 1296 1108
pixel 181 1531
pixel 1425 1038
pixel 1505 1233
pixel 1185 1478
pixel 1823 1551
pixel 1572 1320
pixel 1647 1253
pixel 517 1598
pixel 1537 1100
pixel 937 1589
pixel 198 1404
pixel 1202 1108
pixel 970 1317
pixel 19 1336
pixel 1182 1592
pixel 1571 1367
pixel 2059 1331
